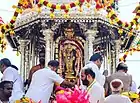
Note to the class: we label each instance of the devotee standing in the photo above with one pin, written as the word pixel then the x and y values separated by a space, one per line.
pixel 122 75
pixel 41 65
pixel 43 82
pixel 5 91
pixel 116 87
pixel 94 89
pixel 95 64
pixel 11 74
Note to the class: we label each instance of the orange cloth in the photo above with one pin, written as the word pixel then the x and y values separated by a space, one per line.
pixel 33 70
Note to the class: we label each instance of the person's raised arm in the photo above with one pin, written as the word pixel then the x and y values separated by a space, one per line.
pixel 60 81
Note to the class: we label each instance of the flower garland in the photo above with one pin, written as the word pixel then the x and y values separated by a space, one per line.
pixel 130 51
pixel 23 4
pixel 133 25
pixel 3 43
pixel 10 26
pixel 102 4
pixel 64 7
pixel 4 28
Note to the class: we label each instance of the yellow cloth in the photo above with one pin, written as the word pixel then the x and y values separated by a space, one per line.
pixel 131 95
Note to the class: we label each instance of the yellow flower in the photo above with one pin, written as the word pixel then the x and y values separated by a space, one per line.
pixel 49 5
pixel 17 101
pixel 60 92
pixel 58 7
pixel 131 95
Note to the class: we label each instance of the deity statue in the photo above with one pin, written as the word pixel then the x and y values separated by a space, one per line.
pixel 69 58
pixel 70 55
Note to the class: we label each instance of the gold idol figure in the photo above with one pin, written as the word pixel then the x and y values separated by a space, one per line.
pixel 69 58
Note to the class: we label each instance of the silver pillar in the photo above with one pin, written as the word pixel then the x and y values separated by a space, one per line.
pixel 113 62
pixel 91 37
pixel 27 64
pixel 22 64
pixel 86 58
pixel 47 34
pixel 117 50
pixel 23 44
pixel 33 54
pixel 52 48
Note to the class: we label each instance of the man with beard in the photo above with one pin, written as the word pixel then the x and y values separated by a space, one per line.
pixel 94 89
pixel 5 91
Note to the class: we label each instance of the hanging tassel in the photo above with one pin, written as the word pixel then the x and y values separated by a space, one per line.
pixel 66 15
pixel 88 5
pixel 17 53
pixel 80 9
pixel 52 14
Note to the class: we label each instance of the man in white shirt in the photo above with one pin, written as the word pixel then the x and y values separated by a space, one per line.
pixel 95 64
pixel 43 82
pixel 116 86
pixel 11 74
pixel 94 89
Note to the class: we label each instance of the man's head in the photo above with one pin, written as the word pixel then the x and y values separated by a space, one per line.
pixel 6 88
pixel 97 59
pixel 123 67
pixel 116 85
pixel 87 76
pixel 42 61
pixel 4 63
pixel 53 64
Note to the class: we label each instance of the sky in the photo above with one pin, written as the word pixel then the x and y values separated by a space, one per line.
pixel 126 8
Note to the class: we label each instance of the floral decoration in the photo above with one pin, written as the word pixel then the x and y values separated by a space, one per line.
pixel 130 51
pixel 72 96
pixel 25 4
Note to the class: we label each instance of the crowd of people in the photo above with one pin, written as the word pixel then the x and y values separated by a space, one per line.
pixel 101 88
